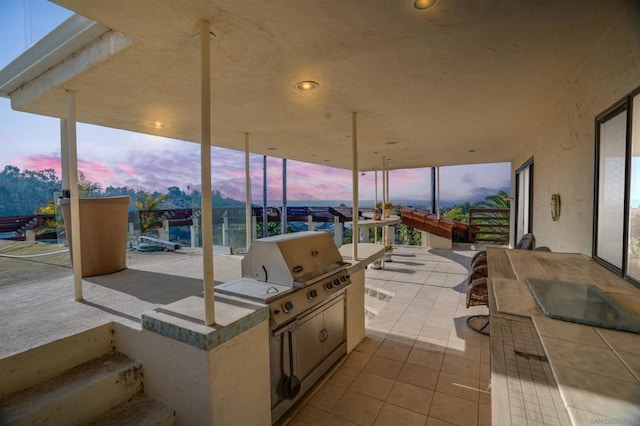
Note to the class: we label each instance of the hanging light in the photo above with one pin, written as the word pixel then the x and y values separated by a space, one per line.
pixel 423 4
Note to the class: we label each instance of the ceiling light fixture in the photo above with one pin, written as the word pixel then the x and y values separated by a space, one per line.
pixel 306 85
pixel 391 143
pixel 272 148
pixel 157 124
pixel 423 4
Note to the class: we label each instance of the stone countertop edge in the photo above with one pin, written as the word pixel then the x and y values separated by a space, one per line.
pixel 184 320
pixel 367 253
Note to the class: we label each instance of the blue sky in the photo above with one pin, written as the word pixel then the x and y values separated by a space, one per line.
pixel 32 142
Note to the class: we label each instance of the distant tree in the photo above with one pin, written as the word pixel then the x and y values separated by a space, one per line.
pixel 496 201
pixel 86 185
pixel 23 192
pixel 457 213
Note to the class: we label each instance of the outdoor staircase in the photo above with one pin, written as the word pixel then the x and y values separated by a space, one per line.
pixel 77 380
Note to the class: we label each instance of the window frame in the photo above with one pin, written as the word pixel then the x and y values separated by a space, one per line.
pixel 527 164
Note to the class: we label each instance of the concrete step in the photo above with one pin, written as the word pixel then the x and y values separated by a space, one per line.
pixel 76 396
pixel 139 411
pixel 42 363
pixel 375 299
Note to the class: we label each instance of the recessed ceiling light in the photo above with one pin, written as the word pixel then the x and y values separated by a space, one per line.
pixel 391 143
pixel 472 150
pixel 157 124
pixel 326 161
pixel 375 152
pixel 306 85
pixel 423 4
pixel 272 148
pixel 314 155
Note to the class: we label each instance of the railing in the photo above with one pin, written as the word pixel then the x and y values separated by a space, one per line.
pixel 493 225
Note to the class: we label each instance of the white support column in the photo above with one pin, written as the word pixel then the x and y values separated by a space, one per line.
pixel 283 215
pixel 205 176
pixel 354 167
pixel 384 197
pixel 64 155
pixel 375 202
pixel 72 148
pixel 310 225
pixel 247 212
pixel 337 231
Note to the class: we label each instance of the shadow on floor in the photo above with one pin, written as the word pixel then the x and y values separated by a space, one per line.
pixel 448 254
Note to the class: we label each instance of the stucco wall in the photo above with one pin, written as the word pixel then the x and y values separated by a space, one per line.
pixel 563 144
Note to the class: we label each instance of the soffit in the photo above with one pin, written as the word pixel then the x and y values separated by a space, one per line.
pixel 465 75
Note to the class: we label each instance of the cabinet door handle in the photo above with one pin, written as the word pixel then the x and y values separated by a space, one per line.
pixel 324 335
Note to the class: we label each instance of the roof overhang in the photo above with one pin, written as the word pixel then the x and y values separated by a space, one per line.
pixel 464 82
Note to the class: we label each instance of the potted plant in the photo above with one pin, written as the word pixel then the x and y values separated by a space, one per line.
pixel 377 213
pixel 387 209
pixel 388 251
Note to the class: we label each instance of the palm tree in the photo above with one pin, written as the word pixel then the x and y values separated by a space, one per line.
pixel 496 201
pixel 146 204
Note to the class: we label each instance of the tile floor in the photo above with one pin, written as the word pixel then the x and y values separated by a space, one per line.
pixel 419 364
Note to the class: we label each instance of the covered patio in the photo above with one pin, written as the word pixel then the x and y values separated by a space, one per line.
pixel 365 86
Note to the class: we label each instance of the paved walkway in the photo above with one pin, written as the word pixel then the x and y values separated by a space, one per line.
pixel 420 364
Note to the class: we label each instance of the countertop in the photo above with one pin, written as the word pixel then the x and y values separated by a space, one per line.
pixel 552 371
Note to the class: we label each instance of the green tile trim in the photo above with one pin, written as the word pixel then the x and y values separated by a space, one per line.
pixel 200 340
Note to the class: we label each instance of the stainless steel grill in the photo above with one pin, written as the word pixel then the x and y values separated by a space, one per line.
pixel 302 278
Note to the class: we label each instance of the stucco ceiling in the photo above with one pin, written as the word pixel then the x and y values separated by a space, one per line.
pixel 465 75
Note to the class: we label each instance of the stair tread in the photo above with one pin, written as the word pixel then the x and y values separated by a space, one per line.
pixel 139 410
pixel 67 383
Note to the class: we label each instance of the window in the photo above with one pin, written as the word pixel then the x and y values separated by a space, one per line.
pixel 524 199
pixel 616 242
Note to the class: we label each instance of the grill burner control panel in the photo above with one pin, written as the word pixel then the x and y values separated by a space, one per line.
pixel 295 303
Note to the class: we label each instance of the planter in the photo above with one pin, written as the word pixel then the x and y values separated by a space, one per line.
pixel 387 213
pixel 377 264
pixel 103 233
pixel 387 256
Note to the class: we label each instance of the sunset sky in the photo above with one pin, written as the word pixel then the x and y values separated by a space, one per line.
pixel 119 158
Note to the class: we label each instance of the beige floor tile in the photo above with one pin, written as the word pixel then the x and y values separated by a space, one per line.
pixel 308 416
pixel 326 397
pixel 586 358
pixel 344 376
pixel 435 331
pixel 357 408
pixel 391 415
pixel 411 397
pixel 419 376
pixel 460 386
pixel 465 335
pixel 398 337
pixel 430 344
pixel 393 351
pixel 427 359
pixel 464 350
pixel 385 367
pixel 461 366
pixel 357 360
pixel 372 385
pixel 432 421
pixel 332 420
pixel 454 410
pixel 370 345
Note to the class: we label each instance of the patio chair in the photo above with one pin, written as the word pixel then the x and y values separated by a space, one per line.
pixel 477 291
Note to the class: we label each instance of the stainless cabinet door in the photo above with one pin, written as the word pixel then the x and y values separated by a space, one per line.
pixel 334 326
pixel 308 345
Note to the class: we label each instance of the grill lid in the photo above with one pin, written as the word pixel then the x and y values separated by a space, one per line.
pixel 293 260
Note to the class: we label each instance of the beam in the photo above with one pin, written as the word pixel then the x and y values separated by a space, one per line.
pixel 354 174
pixel 247 178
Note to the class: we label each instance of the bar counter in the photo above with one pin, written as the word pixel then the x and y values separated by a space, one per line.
pixel 548 371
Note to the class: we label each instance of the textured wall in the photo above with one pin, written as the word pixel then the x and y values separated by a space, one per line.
pixel 563 144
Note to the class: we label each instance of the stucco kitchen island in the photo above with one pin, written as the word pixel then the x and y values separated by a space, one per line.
pixel 547 371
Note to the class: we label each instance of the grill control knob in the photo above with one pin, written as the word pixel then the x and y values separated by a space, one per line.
pixel 343 278
pixel 329 286
pixel 287 306
pixel 336 282
pixel 312 294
